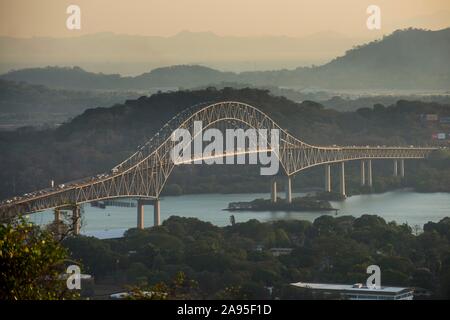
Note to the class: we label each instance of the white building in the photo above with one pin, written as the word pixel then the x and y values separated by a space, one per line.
pixel 359 291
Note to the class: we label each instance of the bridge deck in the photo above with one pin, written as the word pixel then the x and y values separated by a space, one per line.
pixel 144 174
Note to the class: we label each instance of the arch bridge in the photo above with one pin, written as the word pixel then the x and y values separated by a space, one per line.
pixel 144 174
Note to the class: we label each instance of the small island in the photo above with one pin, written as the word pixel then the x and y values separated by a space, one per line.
pixel 329 196
pixel 307 203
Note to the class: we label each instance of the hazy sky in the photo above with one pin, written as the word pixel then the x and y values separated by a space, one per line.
pixel 26 18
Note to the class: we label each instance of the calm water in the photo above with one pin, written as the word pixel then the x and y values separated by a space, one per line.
pixel 401 206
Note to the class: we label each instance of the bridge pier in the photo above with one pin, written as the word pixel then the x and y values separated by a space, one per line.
pixel 288 190
pixel 57 222
pixel 140 212
pixel 327 178
pixel 395 168
pixel 76 220
pixel 342 179
pixel 156 213
pixel 402 168
pixel 369 173
pixel 363 173
pixel 57 213
pixel 273 191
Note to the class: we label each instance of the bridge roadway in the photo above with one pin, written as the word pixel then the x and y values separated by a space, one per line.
pixel 143 175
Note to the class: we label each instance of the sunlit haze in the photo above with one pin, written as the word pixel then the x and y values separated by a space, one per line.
pixel 23 18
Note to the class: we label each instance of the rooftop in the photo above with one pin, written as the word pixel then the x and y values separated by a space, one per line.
pixel 350 288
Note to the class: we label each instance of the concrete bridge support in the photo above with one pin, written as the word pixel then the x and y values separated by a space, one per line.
pixel 395 168
pixel 363 173
pixel 369 173
pixel 76 220
pixel 57 216
pixel 342 179
pixel 288 190
pixel 57 221
pixel 156 213
pixel 327 178
pixel 402 168
pixel 273 190
pixel 140 212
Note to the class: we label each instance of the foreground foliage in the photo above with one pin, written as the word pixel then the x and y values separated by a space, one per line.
pixel 237 261
pixel 31 264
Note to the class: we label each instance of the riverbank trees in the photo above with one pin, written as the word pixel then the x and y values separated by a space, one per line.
pixel 238 260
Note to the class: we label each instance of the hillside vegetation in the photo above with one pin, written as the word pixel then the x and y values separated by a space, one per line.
pixel 23 104
pixel 100 138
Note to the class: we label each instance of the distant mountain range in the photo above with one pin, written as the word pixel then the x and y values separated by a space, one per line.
pixel 407 59
pixel 131 54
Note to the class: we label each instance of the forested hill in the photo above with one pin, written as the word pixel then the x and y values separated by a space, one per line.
pixel 308 120
pixel 100 138
pixel 406 59
pixel 78 78
pixel 23 104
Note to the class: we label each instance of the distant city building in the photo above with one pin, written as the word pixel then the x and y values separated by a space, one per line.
pixel 280 251
pixel 119 295
pixel 444 120
pixel 259 248
pixel 431 117
pixel 129 295
pixel 359 291
pixel 439 136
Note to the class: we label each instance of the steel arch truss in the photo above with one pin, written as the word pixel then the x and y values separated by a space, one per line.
pixel 144 174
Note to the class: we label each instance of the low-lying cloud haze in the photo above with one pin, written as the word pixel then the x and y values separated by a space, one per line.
pixel 130 37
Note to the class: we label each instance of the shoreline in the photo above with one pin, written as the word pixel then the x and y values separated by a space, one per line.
pixel 122 219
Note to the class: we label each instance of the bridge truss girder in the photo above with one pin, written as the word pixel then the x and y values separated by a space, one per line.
pixel 144 174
